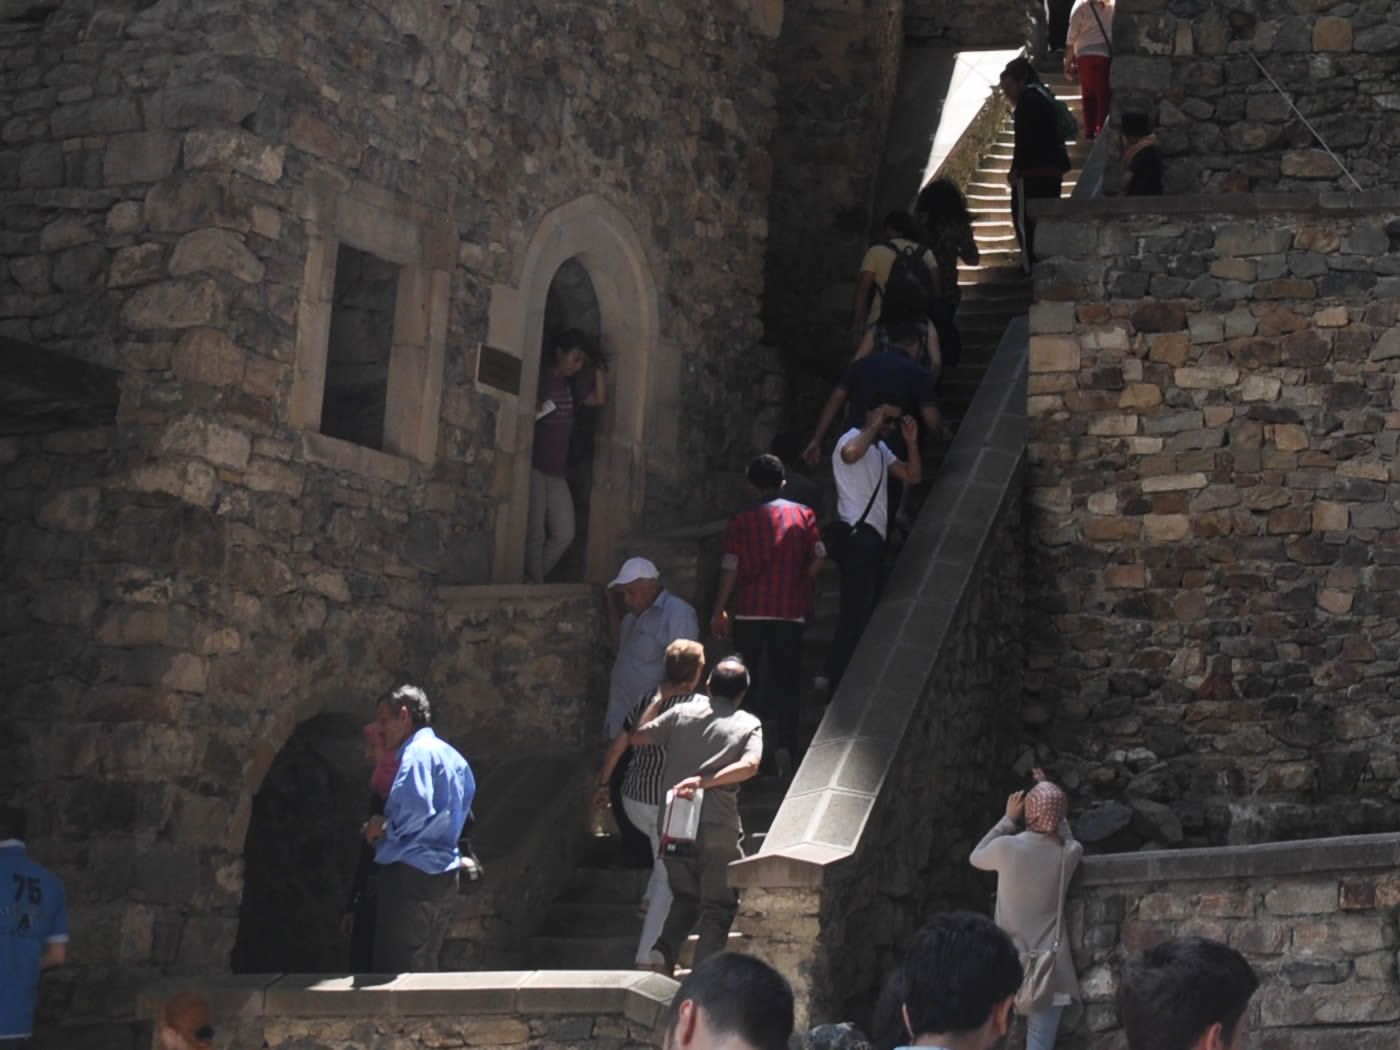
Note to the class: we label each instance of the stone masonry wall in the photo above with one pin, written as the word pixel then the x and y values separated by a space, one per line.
pixel 1315 920
pixel 1224 128
pixel 186 586
pixel 837 66
pixel 985 23
pixel 1213 443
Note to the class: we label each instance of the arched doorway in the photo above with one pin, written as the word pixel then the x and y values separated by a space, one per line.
pixel 636 429
pixel 571 302
pixel 301 850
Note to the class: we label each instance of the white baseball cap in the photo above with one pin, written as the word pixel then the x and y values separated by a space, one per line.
pixel 635 569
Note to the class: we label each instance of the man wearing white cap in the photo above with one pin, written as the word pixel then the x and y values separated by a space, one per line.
pixel 654 618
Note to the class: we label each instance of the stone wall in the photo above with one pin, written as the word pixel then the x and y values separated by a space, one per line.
pixel 837 68
pixel 185 587
pixel 910 764
pixel 488 1011
pixel 1213 438
pixel 1224 128
pixel 986 23
pixel 1317 920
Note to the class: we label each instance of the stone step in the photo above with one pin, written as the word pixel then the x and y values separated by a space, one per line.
pixel 605 953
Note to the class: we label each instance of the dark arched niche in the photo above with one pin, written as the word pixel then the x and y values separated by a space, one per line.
pixel 302 846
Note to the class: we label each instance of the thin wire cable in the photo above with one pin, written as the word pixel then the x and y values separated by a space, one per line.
pixel 1306 123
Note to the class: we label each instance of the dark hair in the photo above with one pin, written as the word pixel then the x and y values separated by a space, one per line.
pixel 14 822
pixel 903 225
pixel 1171 994
pixel 1021 70
pixel 683 659
pixel 1136 124
pixel 941 199
pixel 730 679
pixel 904 332
pixel 887 397
pixel 960 968
pixel 577 339
pixel 787 446
pixel 740 996
pixel 766 473
pixel 413 698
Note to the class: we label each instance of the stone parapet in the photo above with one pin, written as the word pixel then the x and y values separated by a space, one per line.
pixel 875 829
pixel 1213 406
pixel 543 1010
pixel 1315 918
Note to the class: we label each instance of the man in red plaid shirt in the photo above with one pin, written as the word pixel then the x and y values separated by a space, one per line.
pixel 771 553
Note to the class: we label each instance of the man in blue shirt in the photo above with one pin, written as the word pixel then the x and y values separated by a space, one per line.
pixel 416 839
pixel 33 927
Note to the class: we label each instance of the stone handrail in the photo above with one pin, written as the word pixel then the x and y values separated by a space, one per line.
pixel 824 814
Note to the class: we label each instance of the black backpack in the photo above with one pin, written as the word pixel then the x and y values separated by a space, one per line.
pixel 910 284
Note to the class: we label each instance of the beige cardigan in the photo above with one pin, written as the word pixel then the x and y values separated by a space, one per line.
pixel 1028 890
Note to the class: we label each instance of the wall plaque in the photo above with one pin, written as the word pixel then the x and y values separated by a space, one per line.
pixel 498 369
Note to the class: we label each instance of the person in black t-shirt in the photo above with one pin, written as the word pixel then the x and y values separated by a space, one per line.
pixel 1039 160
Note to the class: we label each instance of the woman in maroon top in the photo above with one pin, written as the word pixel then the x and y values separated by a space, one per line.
pixel 551 525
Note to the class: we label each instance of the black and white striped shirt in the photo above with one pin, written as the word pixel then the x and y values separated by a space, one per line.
pixel 642 781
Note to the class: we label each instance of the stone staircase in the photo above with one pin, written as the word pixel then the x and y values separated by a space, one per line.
pixel 996 290
pixel 593 923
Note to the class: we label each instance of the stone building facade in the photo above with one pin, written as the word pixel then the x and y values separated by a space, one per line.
pixel 1203 70
pixel 293 230
pixel 1213 444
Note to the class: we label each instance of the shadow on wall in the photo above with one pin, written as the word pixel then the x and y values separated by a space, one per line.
pixel 302 846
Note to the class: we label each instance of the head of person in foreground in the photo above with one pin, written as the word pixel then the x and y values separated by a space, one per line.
pixel 960 980
pixel 1188 993
pixel 731 1002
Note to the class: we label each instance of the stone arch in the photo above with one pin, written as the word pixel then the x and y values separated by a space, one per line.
pixel 637 430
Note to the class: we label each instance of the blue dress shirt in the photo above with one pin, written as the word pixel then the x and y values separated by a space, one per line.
pixel 427 806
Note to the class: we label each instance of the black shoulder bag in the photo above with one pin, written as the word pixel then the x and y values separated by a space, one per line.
pixel 836 534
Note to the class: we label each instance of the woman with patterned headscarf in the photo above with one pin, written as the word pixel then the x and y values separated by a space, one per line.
pixel 1033 869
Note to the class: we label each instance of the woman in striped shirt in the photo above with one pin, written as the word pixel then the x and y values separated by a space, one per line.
pixel 642 791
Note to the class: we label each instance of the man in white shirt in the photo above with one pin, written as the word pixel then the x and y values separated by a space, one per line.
pixel 859 464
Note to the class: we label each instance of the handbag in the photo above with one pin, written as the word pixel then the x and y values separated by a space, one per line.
pixel 1036 992
pixel 836 534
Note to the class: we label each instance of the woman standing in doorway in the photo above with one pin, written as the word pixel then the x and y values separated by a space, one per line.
pixel 1033 868
pixel 551 524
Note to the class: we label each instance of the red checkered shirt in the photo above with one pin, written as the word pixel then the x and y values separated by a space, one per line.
pixel 772 547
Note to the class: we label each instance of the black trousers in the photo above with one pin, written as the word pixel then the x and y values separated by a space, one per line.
pixel 702 899
pixel 635 845
pixel 413 909
pixel 1032 187
pixel 777 695
pixel 1057 23
pixel 862 568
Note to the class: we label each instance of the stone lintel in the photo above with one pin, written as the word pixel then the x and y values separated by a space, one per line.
pixel 1349 854
pixel 640 997
pixel 795 867
pixel 1326 203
